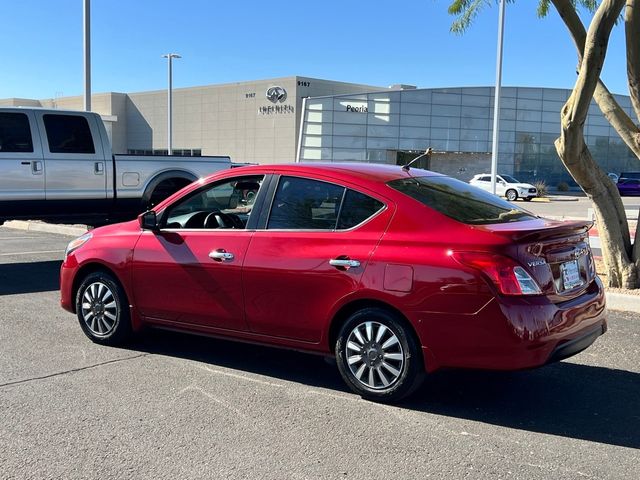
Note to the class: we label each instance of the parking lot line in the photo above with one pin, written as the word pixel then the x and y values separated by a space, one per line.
pixel 17 238
pixel 29 253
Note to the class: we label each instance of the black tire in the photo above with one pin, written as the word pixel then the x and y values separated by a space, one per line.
pixel 103 309
pixel 165 189
pixel 511 195
pixel 527 199
pixel 387 374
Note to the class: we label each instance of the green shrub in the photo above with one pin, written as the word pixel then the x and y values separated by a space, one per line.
pixel 543 191
pixel 563 187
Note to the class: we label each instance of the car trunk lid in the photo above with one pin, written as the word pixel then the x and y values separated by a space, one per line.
pixel 555 253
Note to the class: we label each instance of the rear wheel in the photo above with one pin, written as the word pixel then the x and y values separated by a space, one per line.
pixel 103 309
pixel 511 195
pixel 165 189
pixel 378 356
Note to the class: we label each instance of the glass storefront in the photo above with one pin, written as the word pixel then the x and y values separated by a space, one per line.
pixel 386 127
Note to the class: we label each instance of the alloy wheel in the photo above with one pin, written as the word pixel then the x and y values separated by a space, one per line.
pixel 99 309
pixel 374 355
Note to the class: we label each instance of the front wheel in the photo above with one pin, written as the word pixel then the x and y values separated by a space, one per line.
pixel 378 356
pixel 527 199
pixel 511 195
pixel 103 309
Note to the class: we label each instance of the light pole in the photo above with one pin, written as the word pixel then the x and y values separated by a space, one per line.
pixel 87 53
pixel 496 104
pixel 170 57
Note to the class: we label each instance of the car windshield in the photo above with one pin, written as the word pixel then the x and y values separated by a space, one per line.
pixel 460 201
pixel 509 179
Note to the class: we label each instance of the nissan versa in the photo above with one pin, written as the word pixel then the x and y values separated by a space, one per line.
pixel 397 272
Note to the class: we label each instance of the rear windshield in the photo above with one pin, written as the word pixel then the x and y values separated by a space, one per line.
pixel 460 201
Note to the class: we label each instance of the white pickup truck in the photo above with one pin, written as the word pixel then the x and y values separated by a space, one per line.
pixel 57 165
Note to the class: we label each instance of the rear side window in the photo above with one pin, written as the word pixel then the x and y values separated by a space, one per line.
pixel 68 134
pixel 460 201
pixel 357 207
pixel 15 133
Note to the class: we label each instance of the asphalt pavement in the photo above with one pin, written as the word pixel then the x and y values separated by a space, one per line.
pixel 177 406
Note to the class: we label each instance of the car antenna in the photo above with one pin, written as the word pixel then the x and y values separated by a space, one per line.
pixel 427 153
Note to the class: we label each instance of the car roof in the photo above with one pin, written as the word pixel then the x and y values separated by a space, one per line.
pixel 368 172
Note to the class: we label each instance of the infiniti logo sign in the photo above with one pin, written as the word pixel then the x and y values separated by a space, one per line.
pixel 276 95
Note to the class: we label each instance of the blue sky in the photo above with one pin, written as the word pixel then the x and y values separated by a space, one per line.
pixel 377 43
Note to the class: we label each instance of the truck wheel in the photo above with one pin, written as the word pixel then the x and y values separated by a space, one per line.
pixel 165 189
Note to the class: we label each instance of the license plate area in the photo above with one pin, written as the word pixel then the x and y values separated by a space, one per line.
pixel 570 275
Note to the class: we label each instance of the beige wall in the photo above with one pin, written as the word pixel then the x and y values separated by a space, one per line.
pixel 226 119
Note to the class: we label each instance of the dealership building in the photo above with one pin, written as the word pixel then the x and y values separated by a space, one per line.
pixel 307 119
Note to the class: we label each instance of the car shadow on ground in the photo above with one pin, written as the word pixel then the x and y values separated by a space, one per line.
pixel 29 277
pixel 565 399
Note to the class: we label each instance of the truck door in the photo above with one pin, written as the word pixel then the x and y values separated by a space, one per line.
pixel 21 164
pixel 75 161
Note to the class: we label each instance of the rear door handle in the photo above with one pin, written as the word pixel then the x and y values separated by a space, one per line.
pixel 220 255
pixel 345 263
pixel 98 168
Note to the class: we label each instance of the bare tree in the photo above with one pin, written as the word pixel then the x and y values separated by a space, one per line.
pixel 621 258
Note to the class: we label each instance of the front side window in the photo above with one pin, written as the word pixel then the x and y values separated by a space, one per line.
pixel 15 133
pixel 226 204
pixel 459 200
pixel 68 134
pixel 305 204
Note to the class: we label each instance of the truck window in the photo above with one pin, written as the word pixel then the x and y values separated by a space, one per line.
pixel 68 134
pixel 15 133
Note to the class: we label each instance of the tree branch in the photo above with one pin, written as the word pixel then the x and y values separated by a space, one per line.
pixel 595 49
pixel 632 33
pixel 612 111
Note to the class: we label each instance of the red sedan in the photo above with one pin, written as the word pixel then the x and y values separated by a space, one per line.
pixel 397 272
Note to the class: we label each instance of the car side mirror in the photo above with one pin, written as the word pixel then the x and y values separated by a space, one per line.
pixel 502 182
pixel 148 220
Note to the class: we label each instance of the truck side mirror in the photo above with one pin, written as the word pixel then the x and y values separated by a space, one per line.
pixel 148 220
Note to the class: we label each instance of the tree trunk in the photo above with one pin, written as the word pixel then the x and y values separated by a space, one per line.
pixel 574 153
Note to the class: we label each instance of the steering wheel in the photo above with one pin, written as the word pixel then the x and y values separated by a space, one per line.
pixel 196 220
pixel 217 219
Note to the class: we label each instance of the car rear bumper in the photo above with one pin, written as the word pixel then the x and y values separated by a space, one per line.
pixel 516 333
pixel 577 345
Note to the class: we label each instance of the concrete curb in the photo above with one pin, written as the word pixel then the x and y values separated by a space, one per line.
pixel 622 301
pixel 69 230
pixel 615 301
pixel 554 198
pixel 562 198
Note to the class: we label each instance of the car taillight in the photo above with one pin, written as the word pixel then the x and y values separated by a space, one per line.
pixel 506 274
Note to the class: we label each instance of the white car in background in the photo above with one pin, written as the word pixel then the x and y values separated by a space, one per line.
pixel 506 186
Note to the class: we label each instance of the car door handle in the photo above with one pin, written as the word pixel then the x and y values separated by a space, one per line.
pixel 98 168
pixel 345 263
pixel 220 255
